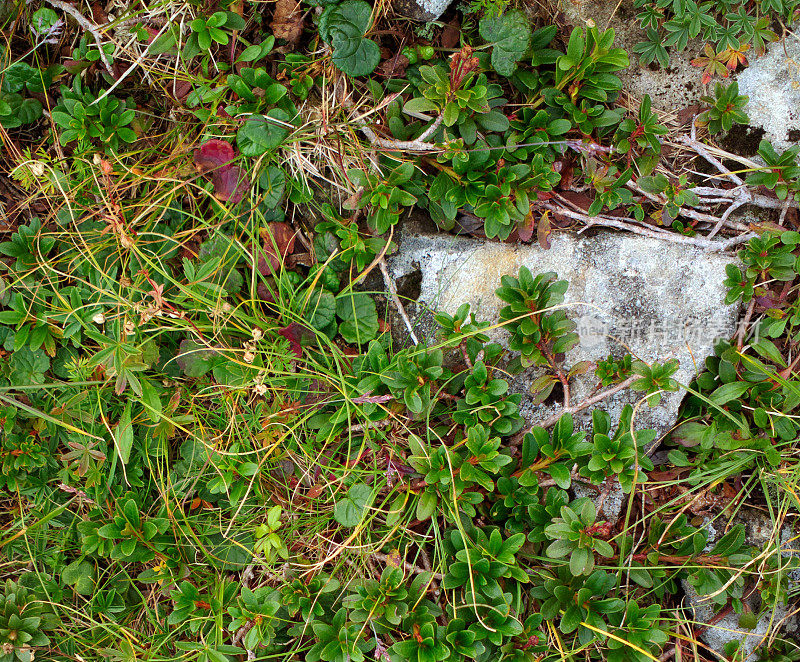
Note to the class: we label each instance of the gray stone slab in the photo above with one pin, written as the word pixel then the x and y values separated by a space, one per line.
pixel 655 299
pixel 772 82
pixel 727 629
pixel 421 10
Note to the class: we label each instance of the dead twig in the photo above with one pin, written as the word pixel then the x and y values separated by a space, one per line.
pixel 420 144
pixel 631 225
pixel 387 279
pixel 371 425
pixel 738 196
pixel 742 330
pixel 588 402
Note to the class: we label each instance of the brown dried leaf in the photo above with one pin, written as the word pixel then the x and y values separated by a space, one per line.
pixel 579 199
pixel 287 22
pixel 181 90
pixel 470 224
pixel 393 67
pixel 451 34
pixel 525 229
pixel 543 231
pixel 278 241
pixel 99 14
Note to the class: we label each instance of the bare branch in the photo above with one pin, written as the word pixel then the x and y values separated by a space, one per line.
pixel 387 279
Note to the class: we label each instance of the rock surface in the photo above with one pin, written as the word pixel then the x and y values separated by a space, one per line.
pixel 653 299
pixel 421 10
pixel 727 629
pixel 773 84
pixel 671 89
pixel 760 532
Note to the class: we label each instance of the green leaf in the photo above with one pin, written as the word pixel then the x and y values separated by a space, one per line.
pixel 426 505
pixel 494 120
pixel 728 392
pixel 350 510
pixel 232 553
pixel 123 434
pixel 261 133
pixel 23 111
pixel 420 105
pixel 250 53
pixel 343 26
pixel 151 400
pixel 730 543
pixel 768 350
pixel 560 474
pixel 359 317
pixel 80 575
pixel 510 35
pixel 362 61
pixel 320 311
pixel 28 366
pixel 580 562
pixel 18 75
pixel 272 181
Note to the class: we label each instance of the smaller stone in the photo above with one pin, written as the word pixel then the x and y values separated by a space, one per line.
pixel 772 82
pixel 727 629
pixel 421 10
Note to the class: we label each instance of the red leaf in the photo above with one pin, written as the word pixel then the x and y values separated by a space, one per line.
pixel 264 293
pixel 230 183
pixel 214 154
pixel 292 334
pixel 215 157
pixel 151 32
pixel 278 241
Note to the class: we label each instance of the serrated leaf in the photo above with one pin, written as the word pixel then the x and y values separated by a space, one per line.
pixel 28 366
pixel 349 510
pixel 193 359
pixel 343 26
pixel 320 311
pixel 360 62
pixel 80 575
